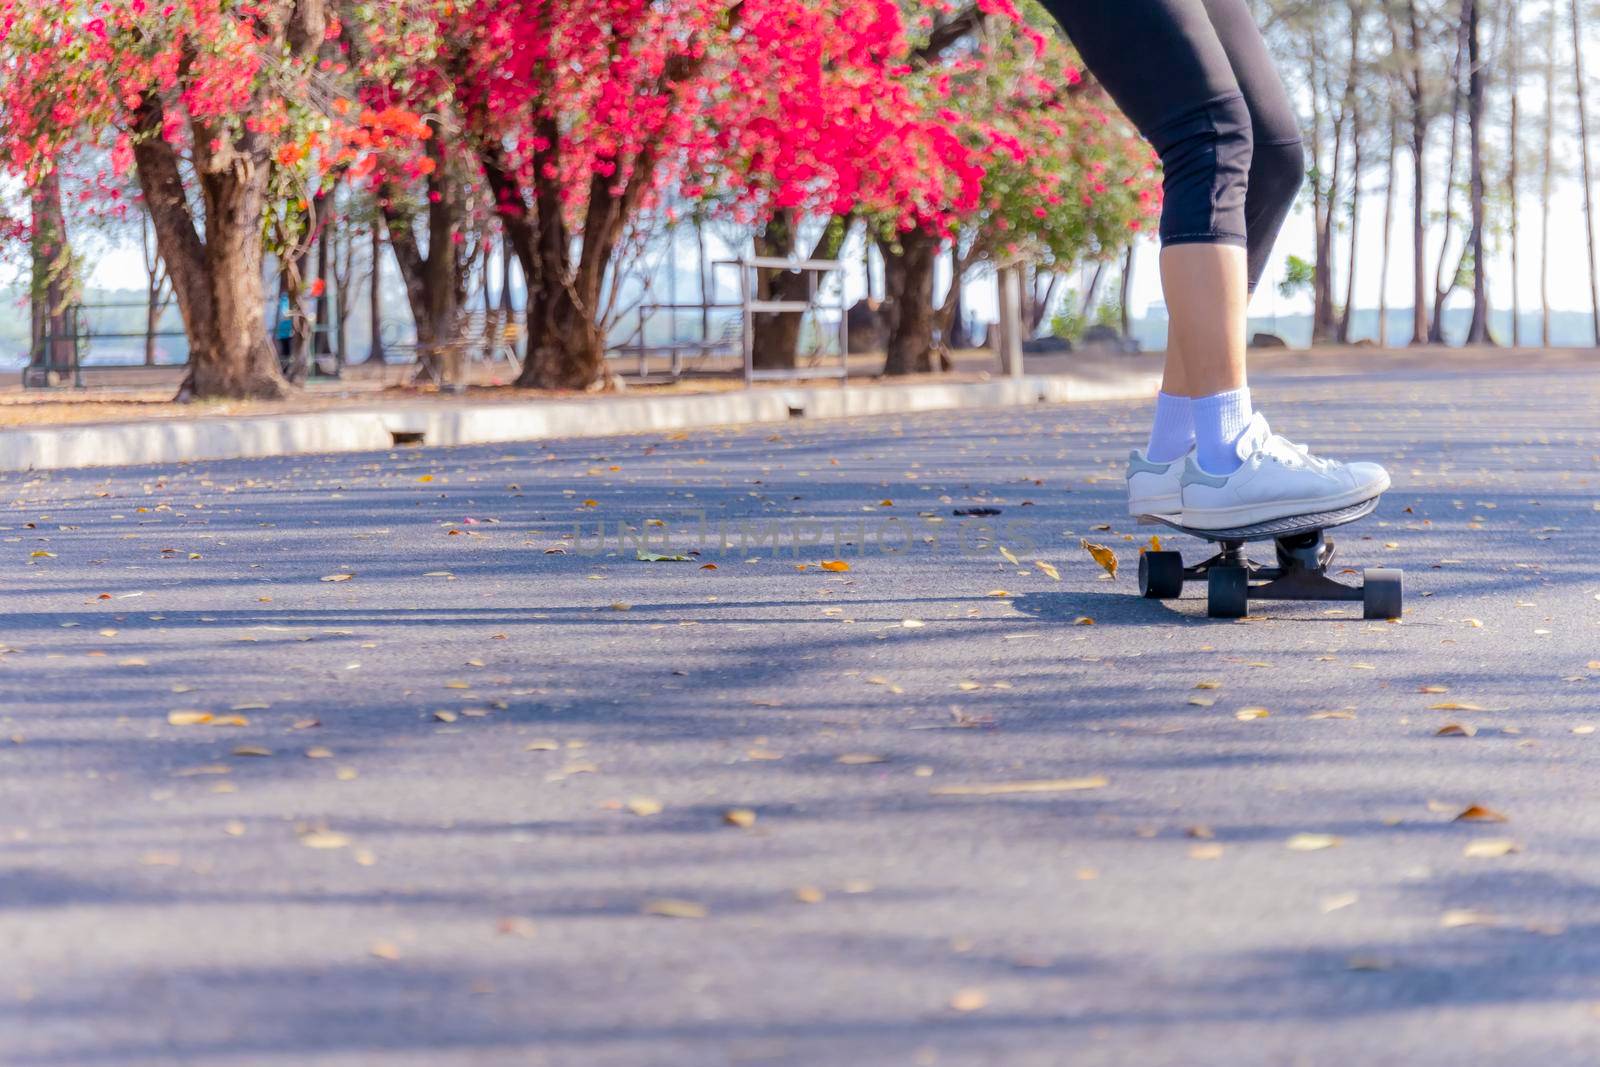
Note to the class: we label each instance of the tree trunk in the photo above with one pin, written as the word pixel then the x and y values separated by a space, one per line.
pixel 1513 76
pixel 375 294
pixel 1388 231
pixel 52 270
pixel 435 285
pixel 319 334
pixel 1583 143
pixel 1417 90
pixel 1355 232
pixel 217 281
pixel 1478 332
pixel 1441 291
pixel 1545 176
pixel 908 302
pixel 955 329
pixel 1126 291
pixel 155 289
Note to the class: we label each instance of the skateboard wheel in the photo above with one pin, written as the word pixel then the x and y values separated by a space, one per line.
pixel 1161 575
pixel 1227 592
pixel 1381 593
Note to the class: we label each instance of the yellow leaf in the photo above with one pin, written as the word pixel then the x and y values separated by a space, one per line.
pixel 324 839
pixel 675 909
pixel 969 1000
pixel 337 577
pixel 809 894
pixel 1083 620
pixel 743 818
pixel 1155 543
pixel 1433 689
pixel 1010 558
pixel 1246 714
pixel 1102 555
pixel 1044 785
pixel 1456 917
pixel 969 686
pixel 189 718
pixel 41 554
pixel 834 565
pixel 1208 685
pixel 644 806
pixel 425 478
pixel 1048 569
pixel 1451 705
pixel 998 592
pixel 445 716
pixel 385 950
pixel 1312 842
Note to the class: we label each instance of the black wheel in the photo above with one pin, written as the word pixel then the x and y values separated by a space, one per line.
pixel 1227 592
pixel 1161 575
pixel 1381 593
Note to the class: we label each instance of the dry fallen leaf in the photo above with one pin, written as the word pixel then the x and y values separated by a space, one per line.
pixel 1455 729
pixel 1246 714
pixel 385 950
pixel 809 894
pixel 1451 705
pixel 1490 848
pixel 189 718
pixel 675 909
pixel 1102 555
pixel 1479 813
pixel 857 759
pixel 516 926
pixel 337 577
pixel 1044 785
pixel 834 565
pixel 743 818
pixel 1048 568
pixel 1210 850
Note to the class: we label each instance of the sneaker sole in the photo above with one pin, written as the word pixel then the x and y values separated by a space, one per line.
pixel 1269 511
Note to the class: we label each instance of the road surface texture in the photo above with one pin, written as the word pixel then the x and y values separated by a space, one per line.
pixel 393 759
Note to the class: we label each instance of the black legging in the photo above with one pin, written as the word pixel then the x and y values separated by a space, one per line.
pixel 1195 77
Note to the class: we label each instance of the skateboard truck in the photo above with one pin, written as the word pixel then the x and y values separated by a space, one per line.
pixel 1304 552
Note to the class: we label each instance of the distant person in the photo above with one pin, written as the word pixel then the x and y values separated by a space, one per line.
pixel 1195 78
pixel 285 330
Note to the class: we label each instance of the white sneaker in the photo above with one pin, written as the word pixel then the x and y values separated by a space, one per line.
pixel 1277 479
pixel 1154 488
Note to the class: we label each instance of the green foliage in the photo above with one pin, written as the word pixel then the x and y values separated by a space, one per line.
pixel 1298 274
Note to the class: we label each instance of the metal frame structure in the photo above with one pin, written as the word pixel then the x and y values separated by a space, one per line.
pixel 749 285
pixel 80 335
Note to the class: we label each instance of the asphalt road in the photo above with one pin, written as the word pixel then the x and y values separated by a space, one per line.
pixel 471 805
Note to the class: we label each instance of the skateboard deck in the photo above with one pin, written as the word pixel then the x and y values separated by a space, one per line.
pixel 1271 531
pixel 1300 573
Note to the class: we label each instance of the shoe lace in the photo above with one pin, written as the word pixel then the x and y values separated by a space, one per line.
pixel 1295 455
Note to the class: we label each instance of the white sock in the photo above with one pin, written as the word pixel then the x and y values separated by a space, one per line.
pixel 1172 433
pixel 1219 421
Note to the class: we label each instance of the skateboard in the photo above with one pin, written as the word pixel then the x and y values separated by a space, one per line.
pixel 1301 573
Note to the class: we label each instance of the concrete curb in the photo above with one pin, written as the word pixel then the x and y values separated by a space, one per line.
pixel 369 429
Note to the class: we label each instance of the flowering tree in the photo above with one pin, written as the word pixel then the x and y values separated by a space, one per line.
pixel 582 114
pixel 228 111
pixel 1061 176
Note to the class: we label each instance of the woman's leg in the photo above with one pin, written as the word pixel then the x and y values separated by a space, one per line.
pixel 1195 78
